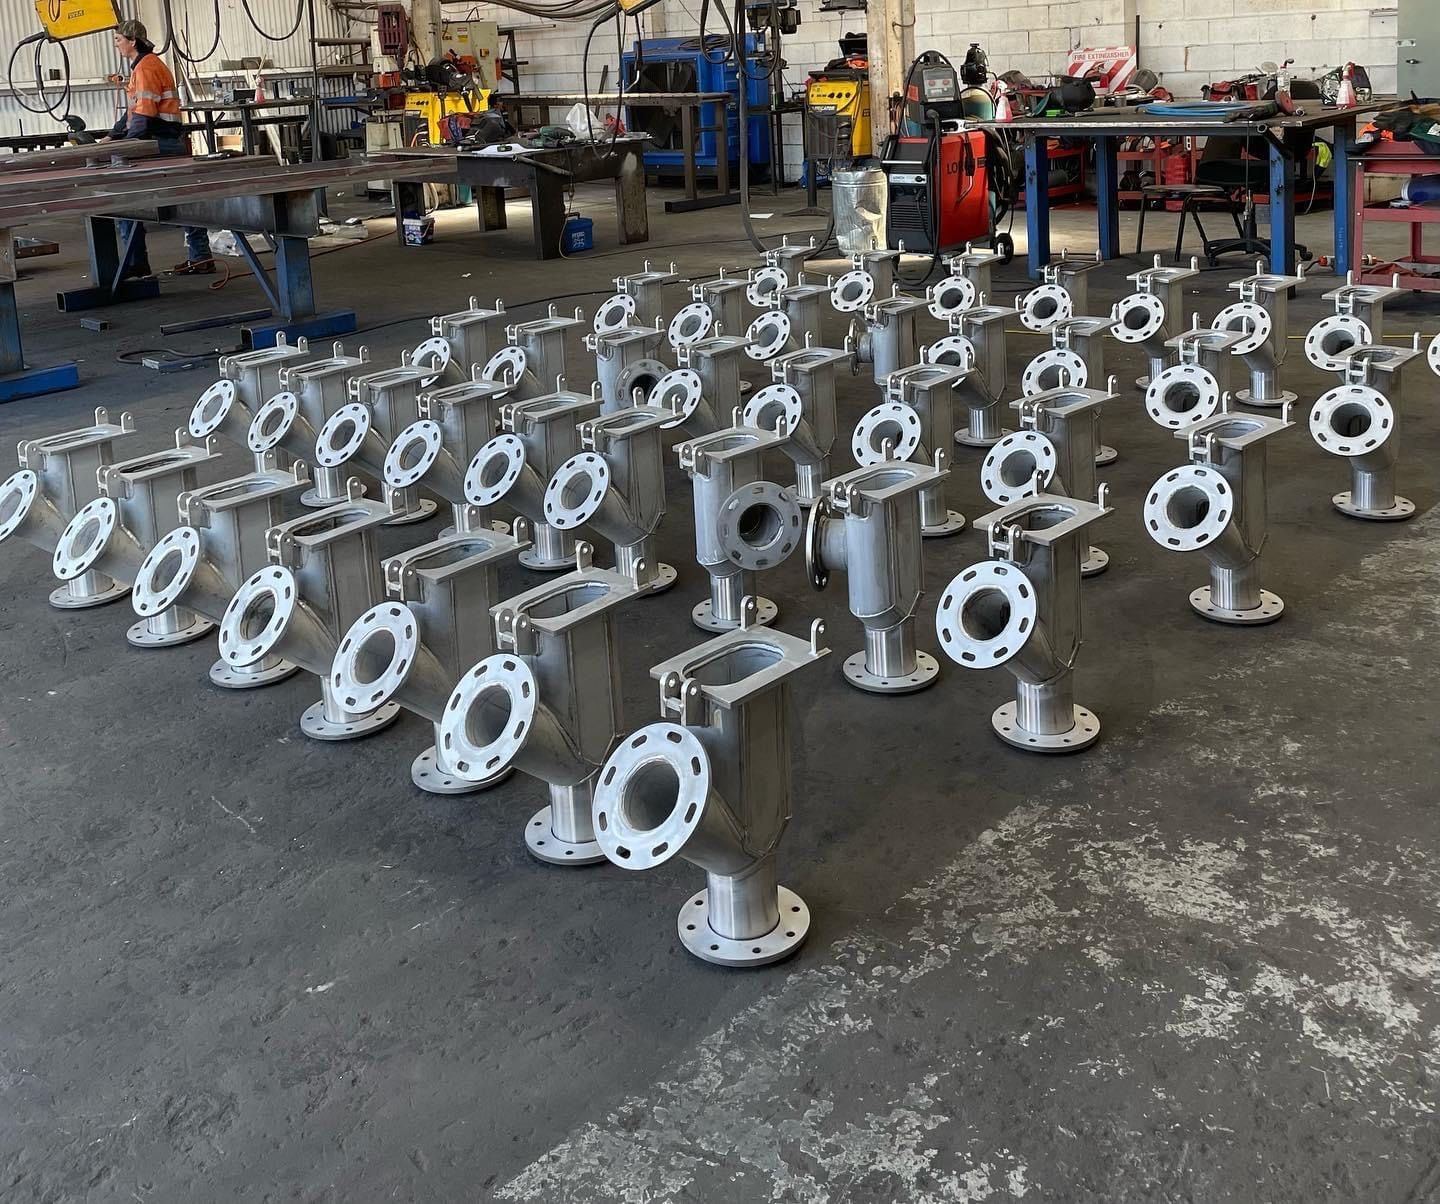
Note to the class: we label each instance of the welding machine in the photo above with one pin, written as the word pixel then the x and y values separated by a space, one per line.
pixel 939 196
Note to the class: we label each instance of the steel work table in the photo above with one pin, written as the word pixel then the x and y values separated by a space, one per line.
pixel 689 104
pixel 244 195
pixel 548 174
pixel 1105 127
pixel 249 116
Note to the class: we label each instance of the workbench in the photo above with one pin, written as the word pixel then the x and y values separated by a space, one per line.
pixel 243 195
pixel 249 116
pixel 549 174
pixel 691 106
pixel 1106 127
pixel 1395 159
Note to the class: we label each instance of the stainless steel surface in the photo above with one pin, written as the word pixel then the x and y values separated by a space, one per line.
pixel 977 343
pixel 1359 423
pixel 57 475
pixel 867 525
pixel 719 464
pixel 413 647
pixel 221 541
pixel 1268 344
pixel 616 485
pixel 548 703
pixel 1217 504
pixel 112 533
pixel 711 783
pixel 929 390
pixel 1021 609
pixel 322 387
pixel 323 574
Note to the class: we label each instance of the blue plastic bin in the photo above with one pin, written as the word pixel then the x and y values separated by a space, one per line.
pixel 579 235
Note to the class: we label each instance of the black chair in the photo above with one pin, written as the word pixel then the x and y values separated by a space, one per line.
pixel 1241 166
pixel 1191 197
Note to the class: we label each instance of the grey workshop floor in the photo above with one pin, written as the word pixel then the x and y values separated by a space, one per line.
pixel 1196 963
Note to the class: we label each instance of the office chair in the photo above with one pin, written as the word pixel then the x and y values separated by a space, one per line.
pixel 1243 165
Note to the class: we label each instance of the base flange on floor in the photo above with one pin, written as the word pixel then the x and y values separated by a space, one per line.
pixel 693 924
pixel 1085 732
pixel 544 845
pixel 1271 607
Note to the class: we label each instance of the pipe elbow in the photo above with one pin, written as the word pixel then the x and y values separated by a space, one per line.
pixel 268 617
pixel 989 616
pixel 494 720
pixel 1194 509
pixel 656 800
pixel 176 572
pixel 28 513
pixel 382 658
pixel 95 540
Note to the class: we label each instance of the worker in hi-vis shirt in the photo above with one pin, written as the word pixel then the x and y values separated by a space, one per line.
pixel 152 110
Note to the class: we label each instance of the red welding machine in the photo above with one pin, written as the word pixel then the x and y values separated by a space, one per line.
pixel 939 192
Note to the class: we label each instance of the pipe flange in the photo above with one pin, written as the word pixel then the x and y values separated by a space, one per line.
pixel 494 470
pixel 1331 336
pixel 642 376
pixel 852 291
pixel 506 366
pixel 690 324
pixel 1084 731
pixel 488 716
pixel 651 796
pixel 1182 395
pixel 17 495
pixel 1351 420
pixel 774 408
pixel 951 296
pixel 1249 319
pixel 257 616
pixel 1138 318
pixel 954 351
pixel 1432 355
pixel 1011 466
pixel 891 421
pixel 1046 304
pixel 701 939
pixel 576 491
pixel 765 287
pixel 679 391
pixel 768 335
pixel 359 680
pixel 614 314
pixel 84 539
pixel 165 572
pixel 815 567
pixel 1188 508
pixel 413 453
pixel 342 435
pixel 986 614
pixel 759 525
pixel 272 422
pixel 435 354
pixel 1271 607
pixel 211 409
pixel 1058 368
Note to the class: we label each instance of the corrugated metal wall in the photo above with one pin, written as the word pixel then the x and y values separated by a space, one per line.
pixel 92 58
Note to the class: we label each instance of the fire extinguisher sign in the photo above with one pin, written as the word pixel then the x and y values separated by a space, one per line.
pixel 1109 68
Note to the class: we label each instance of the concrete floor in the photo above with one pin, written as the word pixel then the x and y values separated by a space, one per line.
pixel 1196 963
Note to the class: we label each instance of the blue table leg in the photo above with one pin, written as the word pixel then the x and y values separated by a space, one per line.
pixel 1037 202
pixel 1107 196
pixel 1344 196
pixel 106 255
pixel 295 296
pixel 1282 211
pixel 17 380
